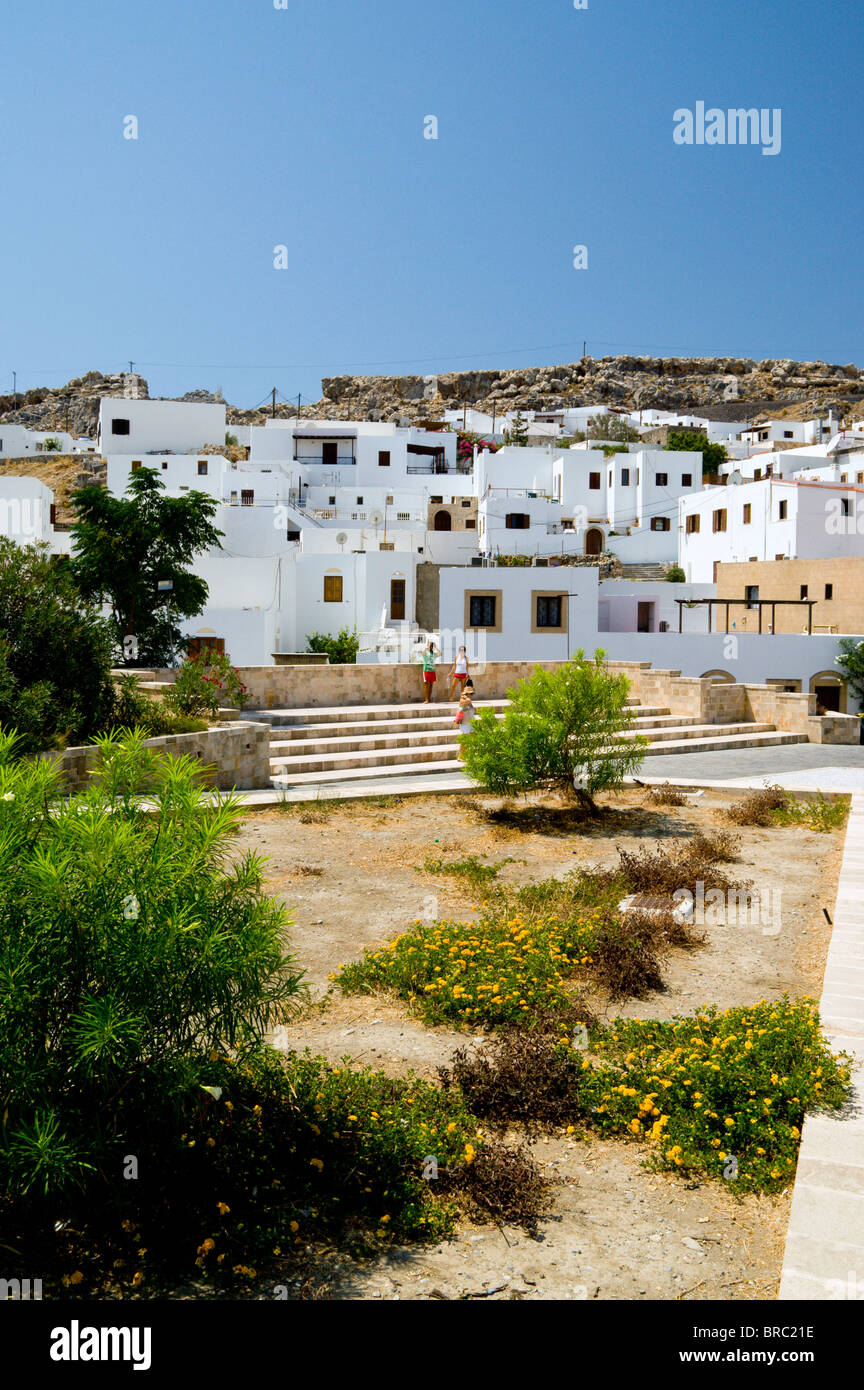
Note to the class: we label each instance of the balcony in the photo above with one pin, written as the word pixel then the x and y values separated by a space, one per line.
pixel 328 462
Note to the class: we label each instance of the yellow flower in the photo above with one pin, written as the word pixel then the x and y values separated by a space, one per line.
pixel 222 1208
pixel 469 1153
pixel 316 1163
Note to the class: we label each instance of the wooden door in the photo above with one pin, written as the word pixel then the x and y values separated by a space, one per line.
pixel 397 600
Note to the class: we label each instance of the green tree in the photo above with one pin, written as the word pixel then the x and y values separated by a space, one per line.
pixel 134 949
pixel 694 441
pixel 518 431
pixel 134 553
pixel 55 652
pixel 675 575
pixel 614 427
pixel 566 729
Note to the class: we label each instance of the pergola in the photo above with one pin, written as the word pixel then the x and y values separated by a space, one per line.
pixel 760 603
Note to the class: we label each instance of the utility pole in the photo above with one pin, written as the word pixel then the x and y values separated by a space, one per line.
pixel 15 389
pixel 299 394
pixel 131 365
pixel 584 348
pixel 273 407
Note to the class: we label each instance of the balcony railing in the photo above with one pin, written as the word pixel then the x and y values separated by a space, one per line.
pixel 317 458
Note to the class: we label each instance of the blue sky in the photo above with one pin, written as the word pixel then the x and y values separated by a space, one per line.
pixel 303 127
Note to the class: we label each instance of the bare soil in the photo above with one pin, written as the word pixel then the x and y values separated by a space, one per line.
pixel 353 875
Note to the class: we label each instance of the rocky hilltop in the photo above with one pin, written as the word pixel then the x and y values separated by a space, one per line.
pixel 732 388
pixel 728 387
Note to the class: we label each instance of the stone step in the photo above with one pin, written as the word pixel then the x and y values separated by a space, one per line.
pixel 359 740
pixel 284 736
pixel 364 714
pixel 432 750
pixel 286 774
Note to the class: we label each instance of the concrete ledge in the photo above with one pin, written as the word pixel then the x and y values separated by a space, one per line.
pixel 824 1256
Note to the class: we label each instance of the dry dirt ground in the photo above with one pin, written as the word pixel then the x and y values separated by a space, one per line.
pixel 353 875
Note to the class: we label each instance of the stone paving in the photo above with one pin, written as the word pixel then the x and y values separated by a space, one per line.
pixel 824 1256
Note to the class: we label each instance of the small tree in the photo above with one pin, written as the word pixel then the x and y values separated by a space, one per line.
pixel 694 441
pixel 518 431
pixel 675 575
pixel 134 553
pixel 614 427
pixel 563 729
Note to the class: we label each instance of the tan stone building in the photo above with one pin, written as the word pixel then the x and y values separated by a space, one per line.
pixel 831 590
pixel 452 513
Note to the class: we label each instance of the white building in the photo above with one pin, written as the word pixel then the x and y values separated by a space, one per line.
pixel 16 441
pixel 141 427
pixel 27 514
pixel 772 519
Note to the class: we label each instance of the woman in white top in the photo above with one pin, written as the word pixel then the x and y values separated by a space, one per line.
pixel 459 673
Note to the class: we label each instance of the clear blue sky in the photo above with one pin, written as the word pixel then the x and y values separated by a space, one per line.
pixel 304 127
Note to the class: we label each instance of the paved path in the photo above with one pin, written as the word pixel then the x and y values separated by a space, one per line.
pixel 800 767
pixel 825 1243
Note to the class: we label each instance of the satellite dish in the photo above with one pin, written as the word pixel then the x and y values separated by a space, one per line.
pixel 375 518
pixel 735 478
pixel 342 538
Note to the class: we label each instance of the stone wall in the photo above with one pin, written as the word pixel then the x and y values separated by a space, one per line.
pixel 239 756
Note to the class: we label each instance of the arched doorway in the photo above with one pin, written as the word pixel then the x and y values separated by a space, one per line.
pixel 443 521
pixel 830 692
pixel 594 542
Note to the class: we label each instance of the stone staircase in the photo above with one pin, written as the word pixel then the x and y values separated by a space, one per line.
pixel 364 742
pixel 646 570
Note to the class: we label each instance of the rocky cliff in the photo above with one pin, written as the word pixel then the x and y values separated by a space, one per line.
pixel 733 388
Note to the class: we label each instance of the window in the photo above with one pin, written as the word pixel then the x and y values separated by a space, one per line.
pixel 359 501
pixel 439 500
pixel 332 588
pixel 803 591
pixel 747 513
pixel 719 520
pixel 686 479
pixel 661 479
pixel 594 482
pixel 637 477
pixel 691 525
pixel 757 474
pixel 136 464
pixel 164 463
pixel 202 468
pixel 383 458
pixel 769 470
pixel 120 427
pixel 781 511
pixel 625 477
pixel 548 610
pixel 331 501
pixel 788 434
pixel 610 477
pixel 466 502
pixel 660 523
pixel 470 524
pixel 482 610
pixel 844 506
pixel 518 521
pixel 829 590
pixel 859 477
pixel 52 514
pixel 247 497
pixel 389 501
pixel 751 594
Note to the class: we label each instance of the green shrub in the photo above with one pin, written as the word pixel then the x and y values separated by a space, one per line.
pixel 475 874
pixel 203 685
pixel 55 653
pixel 341 649
pixel 130 949
pixel 133 710
pixel 675 575
pixel 563 729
